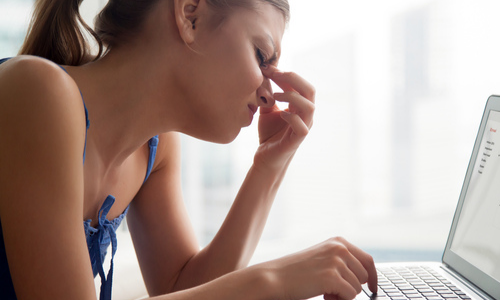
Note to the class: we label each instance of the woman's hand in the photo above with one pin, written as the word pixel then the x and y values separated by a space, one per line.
pixel 281 132
pixel 334 268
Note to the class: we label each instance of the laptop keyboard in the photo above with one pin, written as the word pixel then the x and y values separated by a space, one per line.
pixel 415 282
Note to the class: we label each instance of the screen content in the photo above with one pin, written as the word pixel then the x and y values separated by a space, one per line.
pixel 477 237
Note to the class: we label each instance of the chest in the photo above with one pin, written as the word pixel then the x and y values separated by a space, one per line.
pixel 122 182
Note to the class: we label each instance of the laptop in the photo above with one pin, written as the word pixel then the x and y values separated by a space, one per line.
pixel 470 266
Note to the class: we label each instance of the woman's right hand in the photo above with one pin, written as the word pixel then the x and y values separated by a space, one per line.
pixel 334 268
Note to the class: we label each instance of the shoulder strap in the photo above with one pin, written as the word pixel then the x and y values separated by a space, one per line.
pixel 4 60
pixel 87 125
pixel 153 143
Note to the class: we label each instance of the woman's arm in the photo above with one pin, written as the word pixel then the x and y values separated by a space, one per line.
pixel 235 242
pixel 164 240
pixel 42 133
pixel 158 222
pixel 169 255
pixel 280 134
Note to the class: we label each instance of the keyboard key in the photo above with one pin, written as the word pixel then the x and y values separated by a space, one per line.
pixel 406 292
pixel 430 295
pixel 416 283
pixel 394 294
pixel 405 286
pixel 428 292
pixel 441 292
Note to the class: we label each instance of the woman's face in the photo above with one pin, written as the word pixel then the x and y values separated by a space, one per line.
pixel 228 84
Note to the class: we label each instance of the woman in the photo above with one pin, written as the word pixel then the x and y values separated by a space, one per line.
pixel 200 67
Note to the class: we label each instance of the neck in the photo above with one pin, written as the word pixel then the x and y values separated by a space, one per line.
pixel 123 95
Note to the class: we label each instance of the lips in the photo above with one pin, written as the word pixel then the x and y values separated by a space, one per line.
pixel 253 108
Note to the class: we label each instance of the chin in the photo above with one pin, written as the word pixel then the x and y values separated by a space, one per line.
pixel 219 136
pixel 226 139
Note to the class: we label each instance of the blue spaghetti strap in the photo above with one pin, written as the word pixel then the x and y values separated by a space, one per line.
pixel 153 143
pixel 86 127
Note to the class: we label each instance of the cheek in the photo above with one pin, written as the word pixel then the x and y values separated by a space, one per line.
pixel 244 80
pixel 256 79
pixel 253 76
pixel 239 72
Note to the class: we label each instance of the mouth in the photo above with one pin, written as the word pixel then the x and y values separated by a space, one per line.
pixel 253 108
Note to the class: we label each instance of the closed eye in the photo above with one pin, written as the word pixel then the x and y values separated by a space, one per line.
pixel 263 61
pixel 260 57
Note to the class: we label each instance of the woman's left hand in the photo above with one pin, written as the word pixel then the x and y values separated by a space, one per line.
pixel 281 132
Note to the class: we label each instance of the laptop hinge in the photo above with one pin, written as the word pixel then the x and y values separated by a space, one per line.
pixel 463 281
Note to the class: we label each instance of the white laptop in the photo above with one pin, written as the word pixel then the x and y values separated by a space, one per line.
pixel 470 267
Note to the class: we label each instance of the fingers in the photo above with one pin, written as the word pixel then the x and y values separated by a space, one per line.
pixel 299 94
pixel 352 278
pixel 347 291
pixel 330 297
pixel 297 105
pixel 358 270
pixel 335 268
pixel 299 128
pixel 289 81
pixel 368 265
pixel 353 265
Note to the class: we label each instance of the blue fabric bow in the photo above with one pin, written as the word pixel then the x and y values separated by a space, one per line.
pixel 105 234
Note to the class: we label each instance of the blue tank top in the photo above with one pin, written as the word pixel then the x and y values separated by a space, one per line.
pixel 98 239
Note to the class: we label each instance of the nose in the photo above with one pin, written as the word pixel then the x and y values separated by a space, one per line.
pixel 265 94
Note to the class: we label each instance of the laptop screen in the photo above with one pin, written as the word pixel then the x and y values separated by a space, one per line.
pixel 477 236
pixel 473 247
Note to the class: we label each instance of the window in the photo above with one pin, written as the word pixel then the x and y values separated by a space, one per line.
pixel 400 91
pixel 14 20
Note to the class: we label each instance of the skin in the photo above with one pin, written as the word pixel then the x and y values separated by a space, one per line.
pixel 205 82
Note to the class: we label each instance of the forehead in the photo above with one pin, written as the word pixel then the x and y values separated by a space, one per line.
pixel 264 21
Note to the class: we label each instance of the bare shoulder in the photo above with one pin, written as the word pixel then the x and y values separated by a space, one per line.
pixel 37 95
pixel 42 120
pixel 31 81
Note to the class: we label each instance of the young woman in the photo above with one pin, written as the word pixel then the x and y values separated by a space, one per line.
pixel 86 140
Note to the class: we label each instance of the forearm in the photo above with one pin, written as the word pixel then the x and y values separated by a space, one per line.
pixel 254 283
pixel 236 240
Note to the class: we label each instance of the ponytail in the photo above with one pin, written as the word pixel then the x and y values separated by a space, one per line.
pixel 55 33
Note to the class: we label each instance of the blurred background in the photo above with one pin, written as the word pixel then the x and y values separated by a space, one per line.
pixel 401 86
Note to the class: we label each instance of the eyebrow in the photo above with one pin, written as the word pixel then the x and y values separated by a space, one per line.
pixel 270 38
pixel 273 58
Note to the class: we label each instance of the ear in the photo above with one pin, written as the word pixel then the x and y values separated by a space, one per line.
pixel 186 14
